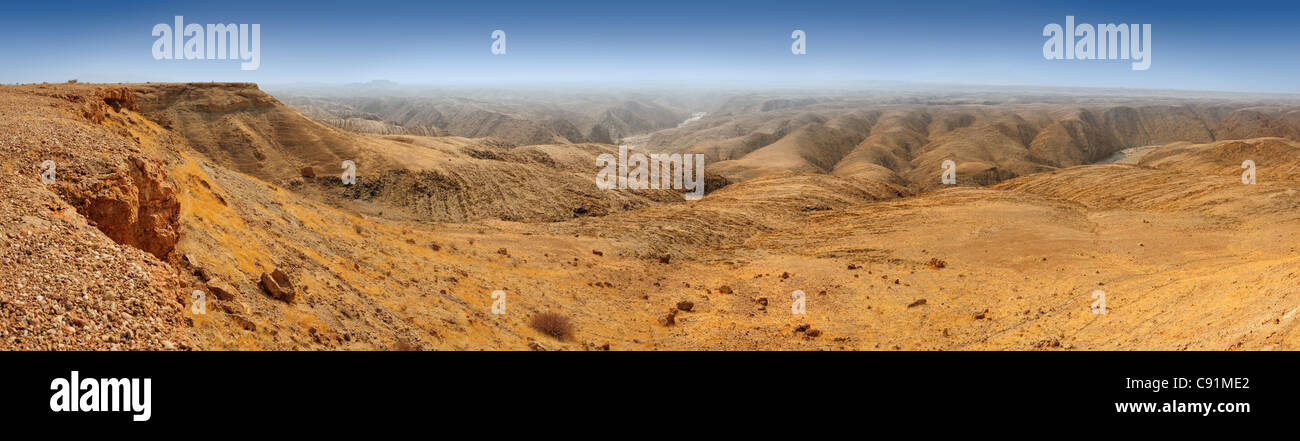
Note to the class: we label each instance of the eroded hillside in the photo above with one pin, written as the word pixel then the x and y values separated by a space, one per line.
pixel 908 143
pixel 167 189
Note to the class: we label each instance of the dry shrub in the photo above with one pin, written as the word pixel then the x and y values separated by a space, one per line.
pixel 936 263
pixel 553 324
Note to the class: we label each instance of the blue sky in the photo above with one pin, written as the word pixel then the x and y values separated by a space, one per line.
pixel 1232 46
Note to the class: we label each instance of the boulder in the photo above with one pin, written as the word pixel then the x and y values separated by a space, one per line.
pixel 278 286
pixel 221 289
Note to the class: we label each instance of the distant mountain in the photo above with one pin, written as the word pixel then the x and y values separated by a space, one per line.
pixel 519 119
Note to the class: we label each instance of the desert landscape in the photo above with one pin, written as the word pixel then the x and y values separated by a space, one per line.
pixel 828 203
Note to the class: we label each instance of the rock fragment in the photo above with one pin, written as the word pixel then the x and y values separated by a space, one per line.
pixel 277 284
pixel 220 289
pixel 669 319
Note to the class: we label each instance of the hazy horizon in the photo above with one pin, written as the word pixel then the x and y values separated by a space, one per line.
pixel 754 87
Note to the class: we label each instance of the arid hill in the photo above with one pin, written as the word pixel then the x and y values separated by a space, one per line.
pixel 415 177
pixel 86 261
pixel 167 189
pixel 515 118
pixel 907 143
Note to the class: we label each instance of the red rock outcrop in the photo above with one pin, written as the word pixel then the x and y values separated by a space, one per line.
pixel 95 104
pixel 278 285
pixel 136 206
